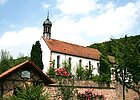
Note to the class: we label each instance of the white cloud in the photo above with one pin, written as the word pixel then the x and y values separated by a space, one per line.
pixel 119 20
pixel 20 42
pixel 111 20
pixel 3 2
pixel 76 6
pixel 45 5
pixel 68 30
pixel 83 30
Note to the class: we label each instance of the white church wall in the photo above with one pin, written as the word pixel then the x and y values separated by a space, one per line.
pixel 45 55
pixel 75 62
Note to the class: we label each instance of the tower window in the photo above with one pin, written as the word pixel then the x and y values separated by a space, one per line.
pixel 47 29
pixel 58 61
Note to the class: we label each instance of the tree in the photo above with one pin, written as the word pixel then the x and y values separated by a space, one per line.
pixel 128 60
pixel 104 70
pixel 134 69
pixel 36 55
pixel 5 59
pixel 18 60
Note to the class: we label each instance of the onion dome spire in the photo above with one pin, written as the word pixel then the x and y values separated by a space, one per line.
pixel 47 24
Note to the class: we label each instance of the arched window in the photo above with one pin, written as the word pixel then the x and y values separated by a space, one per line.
pixel 89 65
pixel 69 61
pixel 98 67
pixel 58 61
pixel 80 62
pixel 47 29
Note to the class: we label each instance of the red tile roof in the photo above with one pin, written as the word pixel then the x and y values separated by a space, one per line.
pixel 72 49
pixel 44 76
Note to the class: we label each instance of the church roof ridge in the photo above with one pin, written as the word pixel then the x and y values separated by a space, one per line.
pixel 72 49
pixel 70 43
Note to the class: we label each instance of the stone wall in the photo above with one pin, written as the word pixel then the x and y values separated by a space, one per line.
pixel 112 93
pixel 129 93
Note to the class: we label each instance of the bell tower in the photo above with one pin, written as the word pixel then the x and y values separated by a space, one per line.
pixel 47 28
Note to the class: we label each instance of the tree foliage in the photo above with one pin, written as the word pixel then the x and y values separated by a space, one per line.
pixel 84 73
pixel 36 55
pixel 7 61
pixel 106 47
pixel 128 59
pixel 127 53
pixel 33 92
pixel 104 69
pixel 80 72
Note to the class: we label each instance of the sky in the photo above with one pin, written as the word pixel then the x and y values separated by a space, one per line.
pixel 81 22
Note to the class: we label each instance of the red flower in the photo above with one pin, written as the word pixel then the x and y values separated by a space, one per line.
pixel 65 73
pixel 62 72
pixel 64 69
pixel 68 74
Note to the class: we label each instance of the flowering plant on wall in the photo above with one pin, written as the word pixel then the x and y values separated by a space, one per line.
pixel 62 72
pixel 89 95
pixel 66 90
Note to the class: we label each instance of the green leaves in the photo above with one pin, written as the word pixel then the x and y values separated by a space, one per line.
pixel 79 72
pixel 31 92
pixel 128 59
pixel 36 55
pixel 6 60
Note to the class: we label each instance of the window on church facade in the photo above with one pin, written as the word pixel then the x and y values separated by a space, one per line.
pixel 69 61
pixel 80 62
pixel 89 65
pixel 98 67
pixel 58 61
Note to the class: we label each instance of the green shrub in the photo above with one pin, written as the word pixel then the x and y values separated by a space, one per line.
pixel 51 70
pixel 79 72
pixel 32 92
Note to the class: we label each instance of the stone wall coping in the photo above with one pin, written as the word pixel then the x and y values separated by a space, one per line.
pixel 57 85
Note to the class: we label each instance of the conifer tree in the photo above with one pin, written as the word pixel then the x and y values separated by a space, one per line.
pixel 36 55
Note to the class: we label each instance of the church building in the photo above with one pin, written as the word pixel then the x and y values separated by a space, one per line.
pixel 56 52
